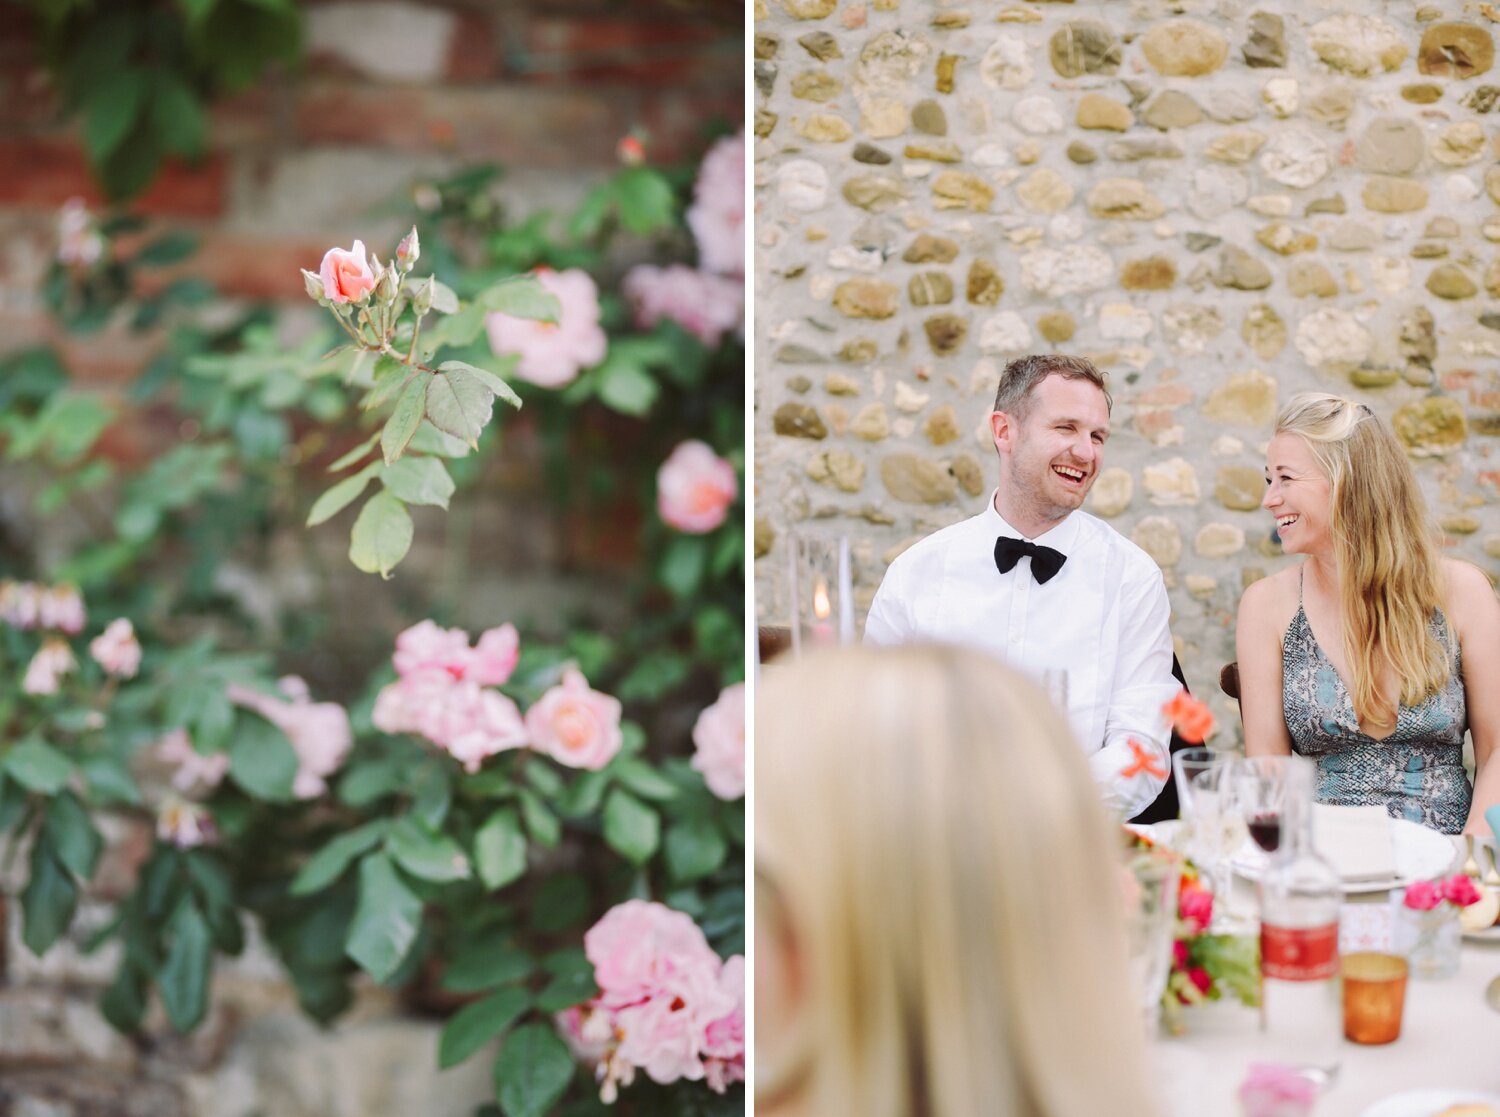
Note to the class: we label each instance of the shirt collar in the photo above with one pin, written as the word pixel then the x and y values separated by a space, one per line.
pixel 1062 537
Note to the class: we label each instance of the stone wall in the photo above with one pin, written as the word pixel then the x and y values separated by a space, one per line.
pixel 1220 202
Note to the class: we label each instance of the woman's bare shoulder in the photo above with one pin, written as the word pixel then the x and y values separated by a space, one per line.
pixel 1272 599
pixel 1468 589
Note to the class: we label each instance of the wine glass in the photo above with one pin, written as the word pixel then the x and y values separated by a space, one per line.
pixel 1151 917
pixel 1188 765
pixel 1217 829
pixel 1264 786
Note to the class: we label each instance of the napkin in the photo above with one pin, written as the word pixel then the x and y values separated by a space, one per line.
pixel 1356 841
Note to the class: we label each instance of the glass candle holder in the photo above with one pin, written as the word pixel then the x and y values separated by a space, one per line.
pixel 1374 996
pixel 822 596
pixel 1428 939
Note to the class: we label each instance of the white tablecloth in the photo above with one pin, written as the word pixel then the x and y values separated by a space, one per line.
pixel 1449 1039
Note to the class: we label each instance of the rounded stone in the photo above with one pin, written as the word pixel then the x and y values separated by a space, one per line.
pixel 984 285
pixel 941 426
pixel 1451 282
pixel 1081 153
pixel 1286 240
pixel 1190 328
pixel 1384 194
pixel 1357 44
pixel 1247 399
pixel 970 475
pixel 1281 95
pixel 1007 63
pixel 1459 144
pixel 1431 427
pixel 1005 332
pixel 1123 322
pixel 765 537
pixel 945 333
pixel 1169 483
pixel 1239 487
pixel 872 423
pixel 1028 152
pixel 1045 191
pixel 869 153
pixel 1296 158
pixel 1084 46
pixel 1240 271
pixel 809 9
pixel 1171 109
pixel 928 116
pixel 1057 326
pixel 929 288
pixel 1332 105
pixel 1390 145
pixel 882 118
pixel 802 185
pixel 1112 491
pixel 1263 330
pixel 961 190
pixel 875 192
pixel 1266 46
pixel 1159 538
pixel 798 420
pixel 1219 540
pixel 816 85
pixel 867 298
pixel 1078 270
pixel 1235 147
pixel 1333 339
pixel 1124 199
pixel 890 60
pixel 1148 273
pixel 838 468
pixel 929 249
pixel 1100 113
pixel 1455 50
pixel 1422 93
pixel 825 128
pixel 917 480
pixel 820 44
pixel 1037 115
pixel 1459 523
pixel 1184 48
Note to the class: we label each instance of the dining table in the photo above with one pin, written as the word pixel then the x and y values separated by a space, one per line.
pixel 1449 1042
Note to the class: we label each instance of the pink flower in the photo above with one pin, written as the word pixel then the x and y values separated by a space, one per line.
pixel 1422 895
pixel 553 353
pixel 319 731
pixel 706 306
pixel 425 646
pixel 346 276
pixel 1200 979
pixel 185 824
pixel 1179 954
pixel 494 725
pixel 1196 906
pixel 717 215
pixel 724 1038
pixel 409 250
pixel 44 674
pixel 638 946
pixel 20 604
pixel 1274 1090
pixel 719 741
pixel 694 488
pixel 576 726
pixel 61 607
pixel 117 650
pixel 631 150
pixel 196 774
pixel 494 657
pixel 78 240
pixel 1459 891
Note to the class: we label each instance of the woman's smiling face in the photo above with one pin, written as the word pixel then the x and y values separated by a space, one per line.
pixel 1299 495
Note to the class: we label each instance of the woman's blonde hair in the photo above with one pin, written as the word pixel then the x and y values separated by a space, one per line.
pixel 928 833
pixel 1390 575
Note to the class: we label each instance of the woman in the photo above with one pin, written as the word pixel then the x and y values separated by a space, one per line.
pixel 1374 653
pixel 939 930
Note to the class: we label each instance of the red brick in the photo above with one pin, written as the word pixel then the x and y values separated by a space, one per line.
pixel 47 172
pixel 473 52
pixel 249 267
pixel 636 50
pixel 677 125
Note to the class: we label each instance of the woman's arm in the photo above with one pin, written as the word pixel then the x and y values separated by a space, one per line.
pixel 1475 613
pixel 1257 646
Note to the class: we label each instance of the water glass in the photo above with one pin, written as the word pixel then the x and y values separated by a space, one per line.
pixel 1215 831
pixel 1152 919
pixel 1186 766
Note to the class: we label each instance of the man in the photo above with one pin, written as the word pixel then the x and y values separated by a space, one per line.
pixel 1048 588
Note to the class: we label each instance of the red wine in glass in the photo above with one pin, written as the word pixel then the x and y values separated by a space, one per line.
pixel 1265 829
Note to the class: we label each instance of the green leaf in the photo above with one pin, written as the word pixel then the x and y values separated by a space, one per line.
pixel 382 535
pixel 694 848
pixel 444 301
pixel 386 920
pixel 183 979
pixel 49 899
pixel 644 780
pixel 682 565
pixel 72 834
pixel 196 10
pixel 475 1025
pixel 112 108
pixel 404 421
pixel 170 248
pixel 631 829
pixel 541 823
pixel 532 1071
pixel 522 297
pixel 456 329
pixel 424 854
pixel 561 903
pixel 567 990
pixel 498 387
pixel 124 1002
pixel 329 863
pixel 419 481
pixel 485 967
pixel 340 495
pixel 646 202
pixel 262 760
pixel 627 387
pixel 500 849
pixel 459 404
pixel 37 766
pixel 355 454
pixel 109 781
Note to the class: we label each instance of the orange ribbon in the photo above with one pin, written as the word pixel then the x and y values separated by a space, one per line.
pixel 1145 761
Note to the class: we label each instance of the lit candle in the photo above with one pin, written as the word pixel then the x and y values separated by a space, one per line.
pixel 822 630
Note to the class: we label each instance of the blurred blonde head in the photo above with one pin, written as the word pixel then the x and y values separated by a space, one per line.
pixel 1389 572
pixel 938 920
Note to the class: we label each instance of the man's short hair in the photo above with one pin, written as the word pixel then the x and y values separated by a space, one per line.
pixel 1022 375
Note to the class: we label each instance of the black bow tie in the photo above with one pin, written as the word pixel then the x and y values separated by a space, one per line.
pixel 1045 562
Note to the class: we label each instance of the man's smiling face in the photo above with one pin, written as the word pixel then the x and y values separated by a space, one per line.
pixel 1054 453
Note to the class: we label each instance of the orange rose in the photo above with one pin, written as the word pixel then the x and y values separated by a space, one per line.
pixel 1192 719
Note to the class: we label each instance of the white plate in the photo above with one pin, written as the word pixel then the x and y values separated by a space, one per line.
pixel 1421 854
pixel 1426 1103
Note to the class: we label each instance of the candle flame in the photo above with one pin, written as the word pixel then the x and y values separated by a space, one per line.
pixel 820 600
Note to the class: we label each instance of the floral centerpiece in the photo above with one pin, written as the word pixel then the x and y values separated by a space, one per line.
pixel 1426 924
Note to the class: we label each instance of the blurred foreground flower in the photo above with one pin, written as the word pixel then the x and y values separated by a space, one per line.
pixel 717 215
pixel 117 650
pixel 79 242
pixel 576 726
pixel 319 731
pixel 552 354
pixel 185 824
pixel 706 306
pixel 1192 719
pixel 694 488
pixel 719 738
pixel 44 674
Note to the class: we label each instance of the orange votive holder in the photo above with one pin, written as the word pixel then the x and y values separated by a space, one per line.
pixel 1374 994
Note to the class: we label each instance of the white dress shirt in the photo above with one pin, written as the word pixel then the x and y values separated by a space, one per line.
pixel 1102 619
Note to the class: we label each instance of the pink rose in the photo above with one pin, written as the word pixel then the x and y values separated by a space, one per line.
pixel 494 725
pixel 44 674
pixel 1200 979
pixel 1179 954
pixel 576 726
pixel 553 353
pixel 61 607
pixel 724 1038
pixel 1196 906
pixel 706 306
pixel 495 655
pixel 1274 1090
pixel 1459 891
pixel 20 604
pixel 719 741
pixel 347 276
pixel 1422 895
pixel 196 774
pixel 425 646
pixel 117 650
pixel 319 732
pixel 717 215
pixel 694 488
pixel 639 945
